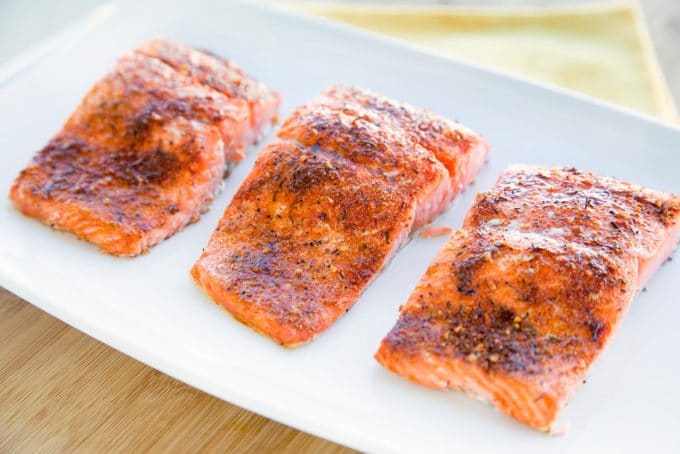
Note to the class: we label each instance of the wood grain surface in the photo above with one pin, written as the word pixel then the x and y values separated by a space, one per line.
pixel 62 391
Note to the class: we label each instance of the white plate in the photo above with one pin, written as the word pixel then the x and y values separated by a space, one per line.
pixel 148 307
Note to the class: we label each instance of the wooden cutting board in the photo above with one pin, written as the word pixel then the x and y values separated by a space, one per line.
pixel 61 390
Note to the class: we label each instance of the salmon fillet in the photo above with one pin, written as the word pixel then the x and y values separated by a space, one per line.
pixel 257 102
pixel 146 150
pixel 520 302
pixel 327 204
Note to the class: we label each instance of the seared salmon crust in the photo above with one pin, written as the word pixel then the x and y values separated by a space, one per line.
pixel 520 302
pixel 147 148
pixel 327 204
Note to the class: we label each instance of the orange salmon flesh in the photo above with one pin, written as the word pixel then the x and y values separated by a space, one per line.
pixel 145 152
pixel 326 206
pixel 520 302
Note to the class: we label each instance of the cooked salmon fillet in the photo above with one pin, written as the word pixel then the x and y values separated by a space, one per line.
pixel 520 302
pixel 259 102
pixel 327 204
pixel 145 151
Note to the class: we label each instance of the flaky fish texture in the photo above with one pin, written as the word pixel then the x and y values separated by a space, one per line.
pixel 327 204
pixel 147 148
pixel 520 302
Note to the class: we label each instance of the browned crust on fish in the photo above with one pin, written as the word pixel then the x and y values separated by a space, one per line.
pixel 327 205
pixel 142 155
pixel 519 304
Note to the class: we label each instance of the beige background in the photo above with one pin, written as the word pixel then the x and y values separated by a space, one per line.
pixel 25 22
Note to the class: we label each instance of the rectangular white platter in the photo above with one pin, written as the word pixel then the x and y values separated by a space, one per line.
pixel 149 309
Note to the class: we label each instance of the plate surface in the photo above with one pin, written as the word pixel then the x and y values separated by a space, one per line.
pixel 149 309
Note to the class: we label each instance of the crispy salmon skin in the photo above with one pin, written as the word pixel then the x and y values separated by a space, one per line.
pixel 327 204
pixel 146 150
pixel 520 302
